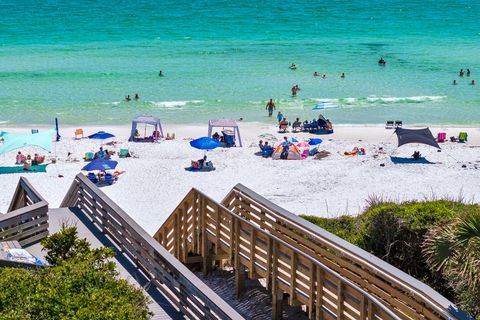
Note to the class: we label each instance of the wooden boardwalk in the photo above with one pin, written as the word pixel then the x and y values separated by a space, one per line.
pixel 160 306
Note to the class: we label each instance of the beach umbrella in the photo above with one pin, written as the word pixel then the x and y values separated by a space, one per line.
pixel 205 143
pixel 314 142
pixel 325 105
pixel 101 135
pixel 100 164
pixel 303 145
pixel 293 140
pixel 268 136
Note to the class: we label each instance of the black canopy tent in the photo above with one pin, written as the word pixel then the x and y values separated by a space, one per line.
pixel 423 136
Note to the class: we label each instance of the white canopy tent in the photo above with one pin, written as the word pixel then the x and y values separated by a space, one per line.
pixel 225 123
pixel 153 121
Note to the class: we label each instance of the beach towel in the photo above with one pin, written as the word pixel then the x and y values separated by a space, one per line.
pixel 399 160
pixel 19 169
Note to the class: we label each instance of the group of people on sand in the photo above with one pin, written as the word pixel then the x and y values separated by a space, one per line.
pixel 103 154
pixel 136 97
pixel 461 73
pixel 28 160
pixel 316 124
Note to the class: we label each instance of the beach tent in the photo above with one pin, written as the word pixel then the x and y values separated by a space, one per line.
pixel 153 121
pixel 293 153
pixel 423 136
pixel 225 123
pixel 12 141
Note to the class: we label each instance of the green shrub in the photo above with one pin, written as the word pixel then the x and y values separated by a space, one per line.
pixel 82 284
pixel 344 226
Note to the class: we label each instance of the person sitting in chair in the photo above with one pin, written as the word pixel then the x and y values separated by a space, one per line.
pixel 261 145
pixel 216 136
pixel 20 159
pixel 283 125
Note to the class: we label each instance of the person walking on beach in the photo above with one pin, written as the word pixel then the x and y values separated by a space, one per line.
pixel 294 91
pixel 270 107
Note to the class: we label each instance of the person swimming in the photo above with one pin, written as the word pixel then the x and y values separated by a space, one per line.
pixel 454 82
pixel 293 66
pixel 382 62
pixel 127 98
pixel 461 73
pixel 294 91
pixel 315 74
pixel 468 72
pixel 342 76
pixel 472 83
pixel 324 76
pixel 136 96
pixel 298 88
pixel 160 74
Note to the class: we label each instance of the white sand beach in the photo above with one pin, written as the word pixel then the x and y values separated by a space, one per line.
pixel 155 181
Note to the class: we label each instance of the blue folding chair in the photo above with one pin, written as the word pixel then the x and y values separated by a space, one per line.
pixel 109 178
pixel 93 177
pixel 34 131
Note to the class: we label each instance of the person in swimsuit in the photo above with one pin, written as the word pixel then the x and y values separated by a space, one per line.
pixel 294 91
pixel 270 107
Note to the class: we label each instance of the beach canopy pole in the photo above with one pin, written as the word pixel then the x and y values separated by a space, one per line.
pixel 225 123
pixel 56 129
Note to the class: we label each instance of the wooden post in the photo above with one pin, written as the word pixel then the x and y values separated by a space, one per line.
pixel 207 263
pixel 240 278
pixel 269 264
pixel 319 295
pixel 339 299
pixel 277 304
pixel 251 269
pixel 293 278
pixel 363 308
pixel 311 296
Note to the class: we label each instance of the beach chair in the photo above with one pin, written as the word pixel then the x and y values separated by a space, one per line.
pixel 34 131
pixel 313 127
pixel 229 139
pixel 441 137
pixel 462 137
pixel 124 153
pixel 89 156
pixel 389 125
pixel 79 134
pixel 92 177
pixel 398 124
pixel 109 178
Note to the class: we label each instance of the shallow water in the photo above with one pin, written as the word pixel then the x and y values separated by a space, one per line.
pixel 78 59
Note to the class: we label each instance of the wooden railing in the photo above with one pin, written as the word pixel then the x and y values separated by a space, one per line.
pixel 188 293
pixel 201 230
pixel 407 297
pixel 27 218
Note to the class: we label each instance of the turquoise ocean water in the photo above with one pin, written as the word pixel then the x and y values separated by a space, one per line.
pixel 78 59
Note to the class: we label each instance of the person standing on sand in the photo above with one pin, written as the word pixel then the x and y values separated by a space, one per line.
pixel 270 107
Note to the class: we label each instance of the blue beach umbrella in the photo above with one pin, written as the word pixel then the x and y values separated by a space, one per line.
pixel 292 139
pixel 102 135
pixel 314 142
pixel 100 164
pixel 205 143
pixel 325 105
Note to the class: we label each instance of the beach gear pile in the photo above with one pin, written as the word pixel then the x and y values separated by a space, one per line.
pixel 355 152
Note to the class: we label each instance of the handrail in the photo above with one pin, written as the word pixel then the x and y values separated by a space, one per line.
pixel 410 287
pixel 27 218
pixel 190 295
pixel 220 214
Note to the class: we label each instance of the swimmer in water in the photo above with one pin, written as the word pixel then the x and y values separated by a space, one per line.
pixel 160 74
pixel 298 88
pixel 461 73
pixel 127 98
pixel 472 83
pixel 324 76
pixel 468 72
pixel 293 66
pixel 382 62
pixel 294 91
pixel 136 96
pixel 315 74
pixel 342 76
pixel 454 82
